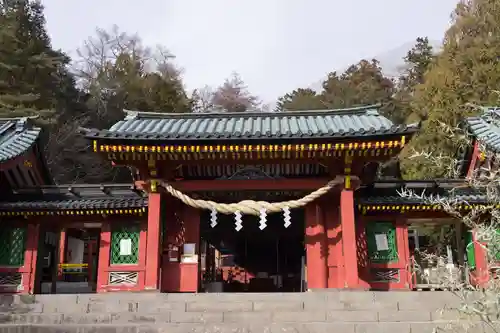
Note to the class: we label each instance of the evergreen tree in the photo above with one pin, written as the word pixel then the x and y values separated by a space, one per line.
pixel 33 76
pixel 417 62
pixel 300 99
pixel 361 84
pixel 465 73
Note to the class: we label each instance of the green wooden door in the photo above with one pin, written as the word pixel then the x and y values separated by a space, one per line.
pixel 12 246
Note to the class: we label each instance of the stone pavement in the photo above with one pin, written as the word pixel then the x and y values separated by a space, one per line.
pixel 313 312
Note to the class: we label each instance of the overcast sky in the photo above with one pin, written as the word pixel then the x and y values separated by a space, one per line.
pixel 276 45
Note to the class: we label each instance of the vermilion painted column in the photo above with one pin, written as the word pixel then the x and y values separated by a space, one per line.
pixel 335 262
pixel 153 242
pixel 316 248
pixel 103 262
pixel 347 221
pixel 481 274
pixel 62 252
pixel 473 160
pixel 31 257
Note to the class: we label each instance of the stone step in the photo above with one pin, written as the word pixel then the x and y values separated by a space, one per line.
pixel 217 317
pixel 223 317
pixel 236 328
pixel 137 302
pixel 350 312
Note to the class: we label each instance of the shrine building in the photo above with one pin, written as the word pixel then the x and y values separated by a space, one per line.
pixel 229 202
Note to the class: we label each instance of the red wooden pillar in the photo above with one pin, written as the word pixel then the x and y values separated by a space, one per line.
pixel 316 248
pixel 62 252
pixel 481 274
pixel 31 256
pixel 335 262
pixel 103 262
pixel 189 270
pixel 404 254
pixel 348 224
pixel 153 242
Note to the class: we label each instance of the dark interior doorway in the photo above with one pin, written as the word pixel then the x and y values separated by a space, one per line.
pixel 251 259
pixel 72 269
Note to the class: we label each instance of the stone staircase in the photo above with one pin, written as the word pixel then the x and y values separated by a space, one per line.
pixel 312 312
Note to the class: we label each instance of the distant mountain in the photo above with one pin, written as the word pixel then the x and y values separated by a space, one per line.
pixel 392 62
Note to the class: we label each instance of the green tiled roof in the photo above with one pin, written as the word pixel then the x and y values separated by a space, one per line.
pixel 344 123
pixel 72 197
pixel 16 137
pixel 486 127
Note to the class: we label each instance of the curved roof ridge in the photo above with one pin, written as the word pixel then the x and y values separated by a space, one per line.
pixel 363 121
pixel 358 110
pixel 17 136
pixel 486 127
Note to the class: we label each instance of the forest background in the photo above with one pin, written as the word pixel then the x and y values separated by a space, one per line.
pixel 114 70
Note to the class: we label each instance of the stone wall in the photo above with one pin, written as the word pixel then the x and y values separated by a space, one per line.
pixel 314 312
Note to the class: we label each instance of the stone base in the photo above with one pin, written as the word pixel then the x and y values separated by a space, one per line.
pixel 321 312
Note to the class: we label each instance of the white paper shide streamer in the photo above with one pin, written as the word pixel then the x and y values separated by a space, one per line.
pixel 263 219
pixel 286 217
pixel 238 221
pixel 213 218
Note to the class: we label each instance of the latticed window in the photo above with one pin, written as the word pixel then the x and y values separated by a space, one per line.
pixel 381 241
pixel 124 245
pixel 12 246
pixel 496 246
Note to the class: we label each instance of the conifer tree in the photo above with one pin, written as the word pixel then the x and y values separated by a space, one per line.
pixel 417 62
pixel 300 99
pixel 361 84
pixel 465 73
pixel 33 77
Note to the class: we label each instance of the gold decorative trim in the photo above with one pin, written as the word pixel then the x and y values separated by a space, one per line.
pixel 413 208
pixel 482 156
pixel 347 170
pixel 242 149
pixel 153 185
pixel 135 211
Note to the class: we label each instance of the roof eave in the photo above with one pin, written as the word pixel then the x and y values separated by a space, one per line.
pixel 134 114
pixel 95 134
